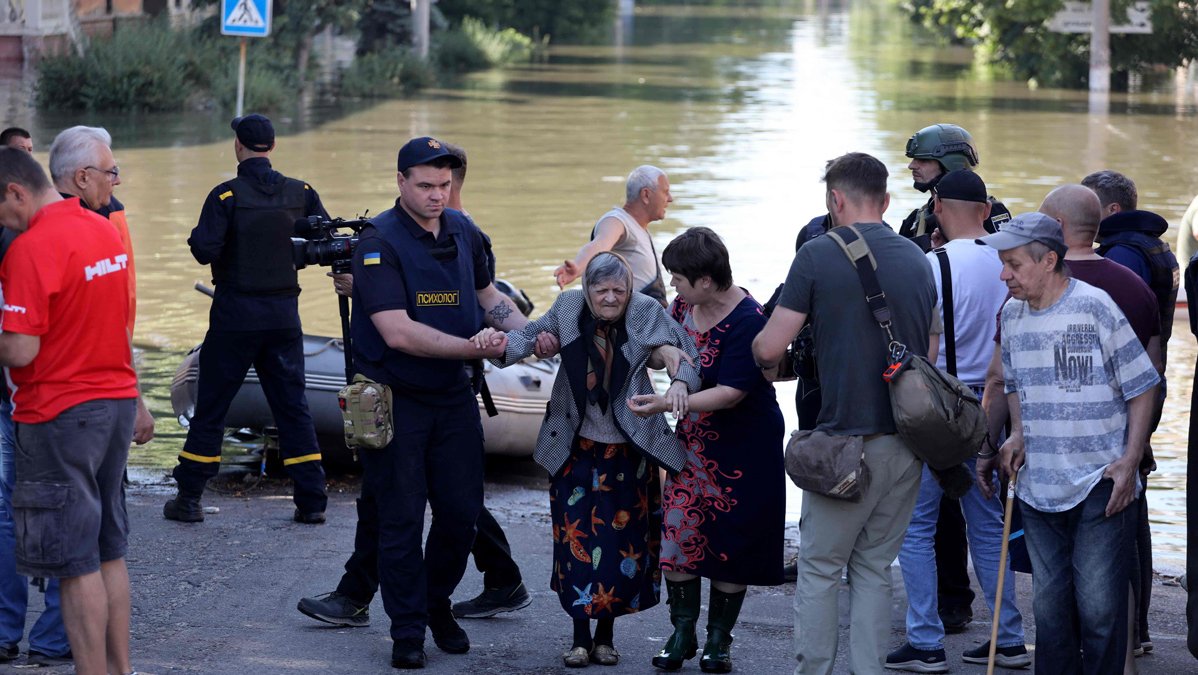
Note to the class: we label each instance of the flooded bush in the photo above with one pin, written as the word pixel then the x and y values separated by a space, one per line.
pixel 385 74
pixel 475 46
pixel 138 68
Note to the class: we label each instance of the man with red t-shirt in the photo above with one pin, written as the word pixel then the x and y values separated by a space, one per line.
pixel 65 285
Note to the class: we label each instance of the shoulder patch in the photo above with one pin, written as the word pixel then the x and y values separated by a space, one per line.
pixel 225 195
pixel 307 187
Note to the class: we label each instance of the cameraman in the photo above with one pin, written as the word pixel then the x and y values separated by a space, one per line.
pixel 245 233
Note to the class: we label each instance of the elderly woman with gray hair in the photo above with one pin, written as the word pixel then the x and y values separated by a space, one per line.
pixel 604 493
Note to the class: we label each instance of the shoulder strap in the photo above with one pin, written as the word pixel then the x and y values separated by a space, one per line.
pixel 854 246
pixel 946 285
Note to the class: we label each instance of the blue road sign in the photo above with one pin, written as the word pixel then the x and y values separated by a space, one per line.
pixel 245 18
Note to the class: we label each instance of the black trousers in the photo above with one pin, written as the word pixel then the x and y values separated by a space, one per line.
pixel 436 459
pixel 278 357
pixel 491 551
pixel 952 558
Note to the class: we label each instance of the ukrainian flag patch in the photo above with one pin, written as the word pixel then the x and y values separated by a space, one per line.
pixel 375 258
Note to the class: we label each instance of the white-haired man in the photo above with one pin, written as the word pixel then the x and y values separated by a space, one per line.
pixel 625 230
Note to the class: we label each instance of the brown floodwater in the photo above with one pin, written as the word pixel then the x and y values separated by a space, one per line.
pixel 742 106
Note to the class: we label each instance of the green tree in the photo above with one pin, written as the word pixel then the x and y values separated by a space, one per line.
pixel 563 20
pixel 1014 36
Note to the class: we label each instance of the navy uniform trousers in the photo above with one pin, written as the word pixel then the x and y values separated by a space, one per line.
pixel 278 357
pixel 491 551
pixel 436 458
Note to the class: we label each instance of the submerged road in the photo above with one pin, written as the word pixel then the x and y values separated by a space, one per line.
pixel 219 598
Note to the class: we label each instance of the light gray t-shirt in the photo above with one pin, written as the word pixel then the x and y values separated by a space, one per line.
pixel 978 294
pixel 636 246
pixel 850 347
pixel 1075 365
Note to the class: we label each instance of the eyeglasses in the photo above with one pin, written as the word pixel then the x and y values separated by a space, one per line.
pixel 113 173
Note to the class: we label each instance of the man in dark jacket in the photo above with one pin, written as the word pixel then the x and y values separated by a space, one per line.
pixel 1132 238
pixel 245 233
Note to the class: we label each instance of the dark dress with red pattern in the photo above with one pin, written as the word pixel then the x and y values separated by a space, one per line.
pixel 724 513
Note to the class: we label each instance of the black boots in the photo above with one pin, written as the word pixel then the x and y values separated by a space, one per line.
pixel 722 611
pixel 183 508
pixel 684 614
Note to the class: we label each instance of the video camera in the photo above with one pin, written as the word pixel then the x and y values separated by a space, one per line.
pixel 316 242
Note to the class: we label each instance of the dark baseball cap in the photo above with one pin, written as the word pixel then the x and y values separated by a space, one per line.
pixel 424 150
pixel 1026 228
pixel 963 185
pixel 254 131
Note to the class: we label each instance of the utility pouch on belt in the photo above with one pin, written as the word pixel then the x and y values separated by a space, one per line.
pixel 366 413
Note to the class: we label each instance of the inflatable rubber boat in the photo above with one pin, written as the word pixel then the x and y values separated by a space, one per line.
pixel 520 393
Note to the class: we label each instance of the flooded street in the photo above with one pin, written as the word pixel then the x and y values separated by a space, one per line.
pixel 742 106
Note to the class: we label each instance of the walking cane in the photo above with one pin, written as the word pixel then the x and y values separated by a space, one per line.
pixel 1002 571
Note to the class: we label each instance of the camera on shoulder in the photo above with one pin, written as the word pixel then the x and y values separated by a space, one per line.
pixel 318 242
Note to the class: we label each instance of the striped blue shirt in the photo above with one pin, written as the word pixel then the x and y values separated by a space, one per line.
pixel 1075 366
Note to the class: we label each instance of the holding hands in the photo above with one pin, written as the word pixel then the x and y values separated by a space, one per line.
pixel 490 342
pixel 676 401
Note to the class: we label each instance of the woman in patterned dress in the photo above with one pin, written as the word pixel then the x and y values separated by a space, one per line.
pixel 724 511
pixel 604 494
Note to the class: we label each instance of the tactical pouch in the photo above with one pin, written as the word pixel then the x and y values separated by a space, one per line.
pixel 366 413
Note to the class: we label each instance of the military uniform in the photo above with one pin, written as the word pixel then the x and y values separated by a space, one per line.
pixel 436 456
pixel 244 232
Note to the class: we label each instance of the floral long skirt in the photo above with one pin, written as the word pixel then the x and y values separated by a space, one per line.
pixel 606 510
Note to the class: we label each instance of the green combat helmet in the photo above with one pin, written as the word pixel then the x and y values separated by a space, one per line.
pixel 948 144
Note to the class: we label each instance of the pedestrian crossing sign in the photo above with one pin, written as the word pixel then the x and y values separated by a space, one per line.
pixel 245 18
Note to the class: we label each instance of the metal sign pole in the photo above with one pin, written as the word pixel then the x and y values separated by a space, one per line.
pixel 244 19
pixel 241 81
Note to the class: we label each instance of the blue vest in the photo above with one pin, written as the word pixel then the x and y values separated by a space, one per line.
pixel 439 294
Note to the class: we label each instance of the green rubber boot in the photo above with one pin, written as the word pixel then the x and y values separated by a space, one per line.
pixel 722 611
pixel 684 614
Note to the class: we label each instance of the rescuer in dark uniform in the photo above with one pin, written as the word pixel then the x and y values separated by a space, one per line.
pixel 934 151
pixel 421 289
pixel 245 233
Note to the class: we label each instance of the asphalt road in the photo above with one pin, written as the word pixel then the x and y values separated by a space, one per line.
pixel 219 597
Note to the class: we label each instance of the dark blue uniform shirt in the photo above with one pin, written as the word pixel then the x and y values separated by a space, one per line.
pixel 380 286
pixel 231 310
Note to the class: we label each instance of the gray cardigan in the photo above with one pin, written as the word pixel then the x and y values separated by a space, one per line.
pixel 647 326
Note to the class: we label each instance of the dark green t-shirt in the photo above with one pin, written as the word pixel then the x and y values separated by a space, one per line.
pixel 850 347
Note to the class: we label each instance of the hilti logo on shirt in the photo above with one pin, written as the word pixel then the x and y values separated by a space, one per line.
pixel 441 298
pixel 16 309
pixel 106 266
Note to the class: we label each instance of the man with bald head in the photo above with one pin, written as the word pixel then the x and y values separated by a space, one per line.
pixel 1079 389
pixel 1079 211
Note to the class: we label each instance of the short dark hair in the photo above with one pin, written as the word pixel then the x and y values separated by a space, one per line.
pixel 1113 187
pixel 13 132
pixel 459 174
pixel 696 253
pixel 442 162
pixel 18 166
pixel 858 175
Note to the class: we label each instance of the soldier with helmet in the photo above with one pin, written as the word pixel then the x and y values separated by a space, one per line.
pixel 934 151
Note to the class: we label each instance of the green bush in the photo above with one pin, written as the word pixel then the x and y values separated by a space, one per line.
pixel 139 68
pixel 385 74
pixel 475 46
pixel 265 88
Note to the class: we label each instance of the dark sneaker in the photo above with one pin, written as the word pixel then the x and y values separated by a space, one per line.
pixel 447 634
pixel 336 609
pixel 408 654
pixel 1015 656
pixel 790 571
pixel 914 660
pixel 9 652
pixel 493 601
pixel 313 518
pixel 39 659
pixel 183 510
pixel 956 619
